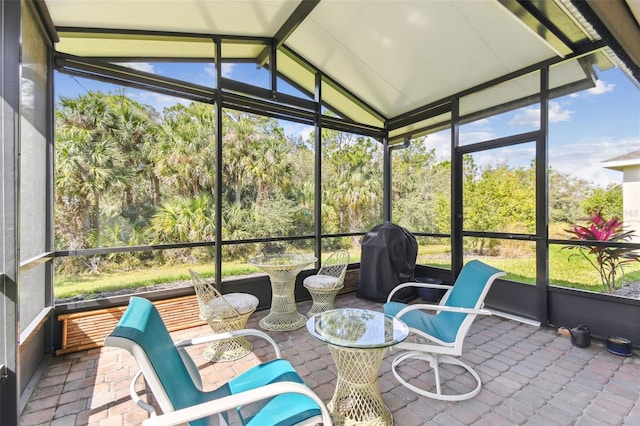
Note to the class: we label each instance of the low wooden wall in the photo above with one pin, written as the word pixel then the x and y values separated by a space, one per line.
pixel 87 330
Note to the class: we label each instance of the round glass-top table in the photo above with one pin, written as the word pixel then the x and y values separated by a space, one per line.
pixel 282 270
pixel 358 340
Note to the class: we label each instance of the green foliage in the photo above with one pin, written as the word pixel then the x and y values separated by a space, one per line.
pixel 128 176
pixel 98 153
pixel 608 200
pixel 420 191
pixel 607 260
pixel 351 182
pixel 565 197
pixel 274 215
pixel 498 199
pixel 183 219
pixel 183 152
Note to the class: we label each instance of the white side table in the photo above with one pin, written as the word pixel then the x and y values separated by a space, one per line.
pixel 283 269
pixel 358 340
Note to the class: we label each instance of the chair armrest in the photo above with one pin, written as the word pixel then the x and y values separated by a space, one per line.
pixel 420 285
pixel 228 335
pixel 136 398
pixel 227 403
pixel 442 308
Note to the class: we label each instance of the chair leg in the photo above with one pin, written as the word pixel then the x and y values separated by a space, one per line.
pixel 323 300
pixel 434 361
pixel 229 349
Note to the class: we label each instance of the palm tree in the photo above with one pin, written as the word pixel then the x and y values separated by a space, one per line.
pixel 185 218
pixel 352 181
pixel 239 140
pixel 134 128
pixel 89 163
pixel 272 163
pixel 184 159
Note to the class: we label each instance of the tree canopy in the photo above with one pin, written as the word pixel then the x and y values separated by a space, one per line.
pixel 127 175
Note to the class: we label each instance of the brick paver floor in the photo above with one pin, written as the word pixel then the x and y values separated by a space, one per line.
pixel 530 376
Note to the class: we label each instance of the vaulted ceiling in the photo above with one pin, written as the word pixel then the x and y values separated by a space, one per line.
pixel 380 59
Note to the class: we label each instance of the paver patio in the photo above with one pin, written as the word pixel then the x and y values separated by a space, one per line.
pixel 530 376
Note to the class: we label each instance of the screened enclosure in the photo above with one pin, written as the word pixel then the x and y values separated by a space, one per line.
pixel 139 145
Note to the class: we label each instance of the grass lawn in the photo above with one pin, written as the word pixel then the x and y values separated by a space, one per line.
pixel 565 271
pixel 92 284
pixel 567 268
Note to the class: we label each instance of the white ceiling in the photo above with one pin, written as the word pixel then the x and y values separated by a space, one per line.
pixel 395 55
pixel 234 17
pixel 634 6
pixel 402 57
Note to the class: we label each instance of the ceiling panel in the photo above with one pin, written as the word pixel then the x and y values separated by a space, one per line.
pixel 259 18
pixel 112 45
pixel 453 46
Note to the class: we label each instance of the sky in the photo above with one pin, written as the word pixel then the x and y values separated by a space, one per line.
pixel 585 128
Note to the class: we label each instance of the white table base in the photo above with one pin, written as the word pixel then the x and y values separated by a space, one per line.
pixel 283 315
pixel 357 399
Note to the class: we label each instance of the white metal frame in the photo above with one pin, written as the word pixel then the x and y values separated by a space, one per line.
pixel 434 350
pixel 218 406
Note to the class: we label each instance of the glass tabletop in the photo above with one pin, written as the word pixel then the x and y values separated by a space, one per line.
pixel 357 328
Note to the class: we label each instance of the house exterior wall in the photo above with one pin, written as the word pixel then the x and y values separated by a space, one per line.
pixel 631 200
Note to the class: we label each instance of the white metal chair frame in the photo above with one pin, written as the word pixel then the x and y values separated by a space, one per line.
pixel 324 297
pixel 172 417
pixel 434 350
pixel 219 406
pixel 222 316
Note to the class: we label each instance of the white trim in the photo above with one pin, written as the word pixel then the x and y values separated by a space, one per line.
pixel 517 318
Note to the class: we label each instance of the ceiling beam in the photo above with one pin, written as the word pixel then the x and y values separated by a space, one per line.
pixel 302 11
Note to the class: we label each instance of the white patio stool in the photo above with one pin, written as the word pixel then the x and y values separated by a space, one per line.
pixel 224 313
pixel 325 285
pixel 323 290
pixel 232 311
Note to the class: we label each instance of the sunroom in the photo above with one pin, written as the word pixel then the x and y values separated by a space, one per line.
pixel 234 126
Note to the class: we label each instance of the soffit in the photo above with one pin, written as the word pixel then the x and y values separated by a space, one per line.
pixel 622 19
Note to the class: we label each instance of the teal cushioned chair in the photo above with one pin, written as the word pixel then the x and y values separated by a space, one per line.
pixel 175 382
pixel 445 330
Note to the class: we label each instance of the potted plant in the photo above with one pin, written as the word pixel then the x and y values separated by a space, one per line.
pixel 607 260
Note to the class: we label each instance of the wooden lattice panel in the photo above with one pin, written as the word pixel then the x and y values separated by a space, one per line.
pixel 87 330
pixel 350 281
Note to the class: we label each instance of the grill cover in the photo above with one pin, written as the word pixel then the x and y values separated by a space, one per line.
pixel 388 258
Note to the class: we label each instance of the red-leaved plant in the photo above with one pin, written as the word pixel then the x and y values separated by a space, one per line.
pixel 608 260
